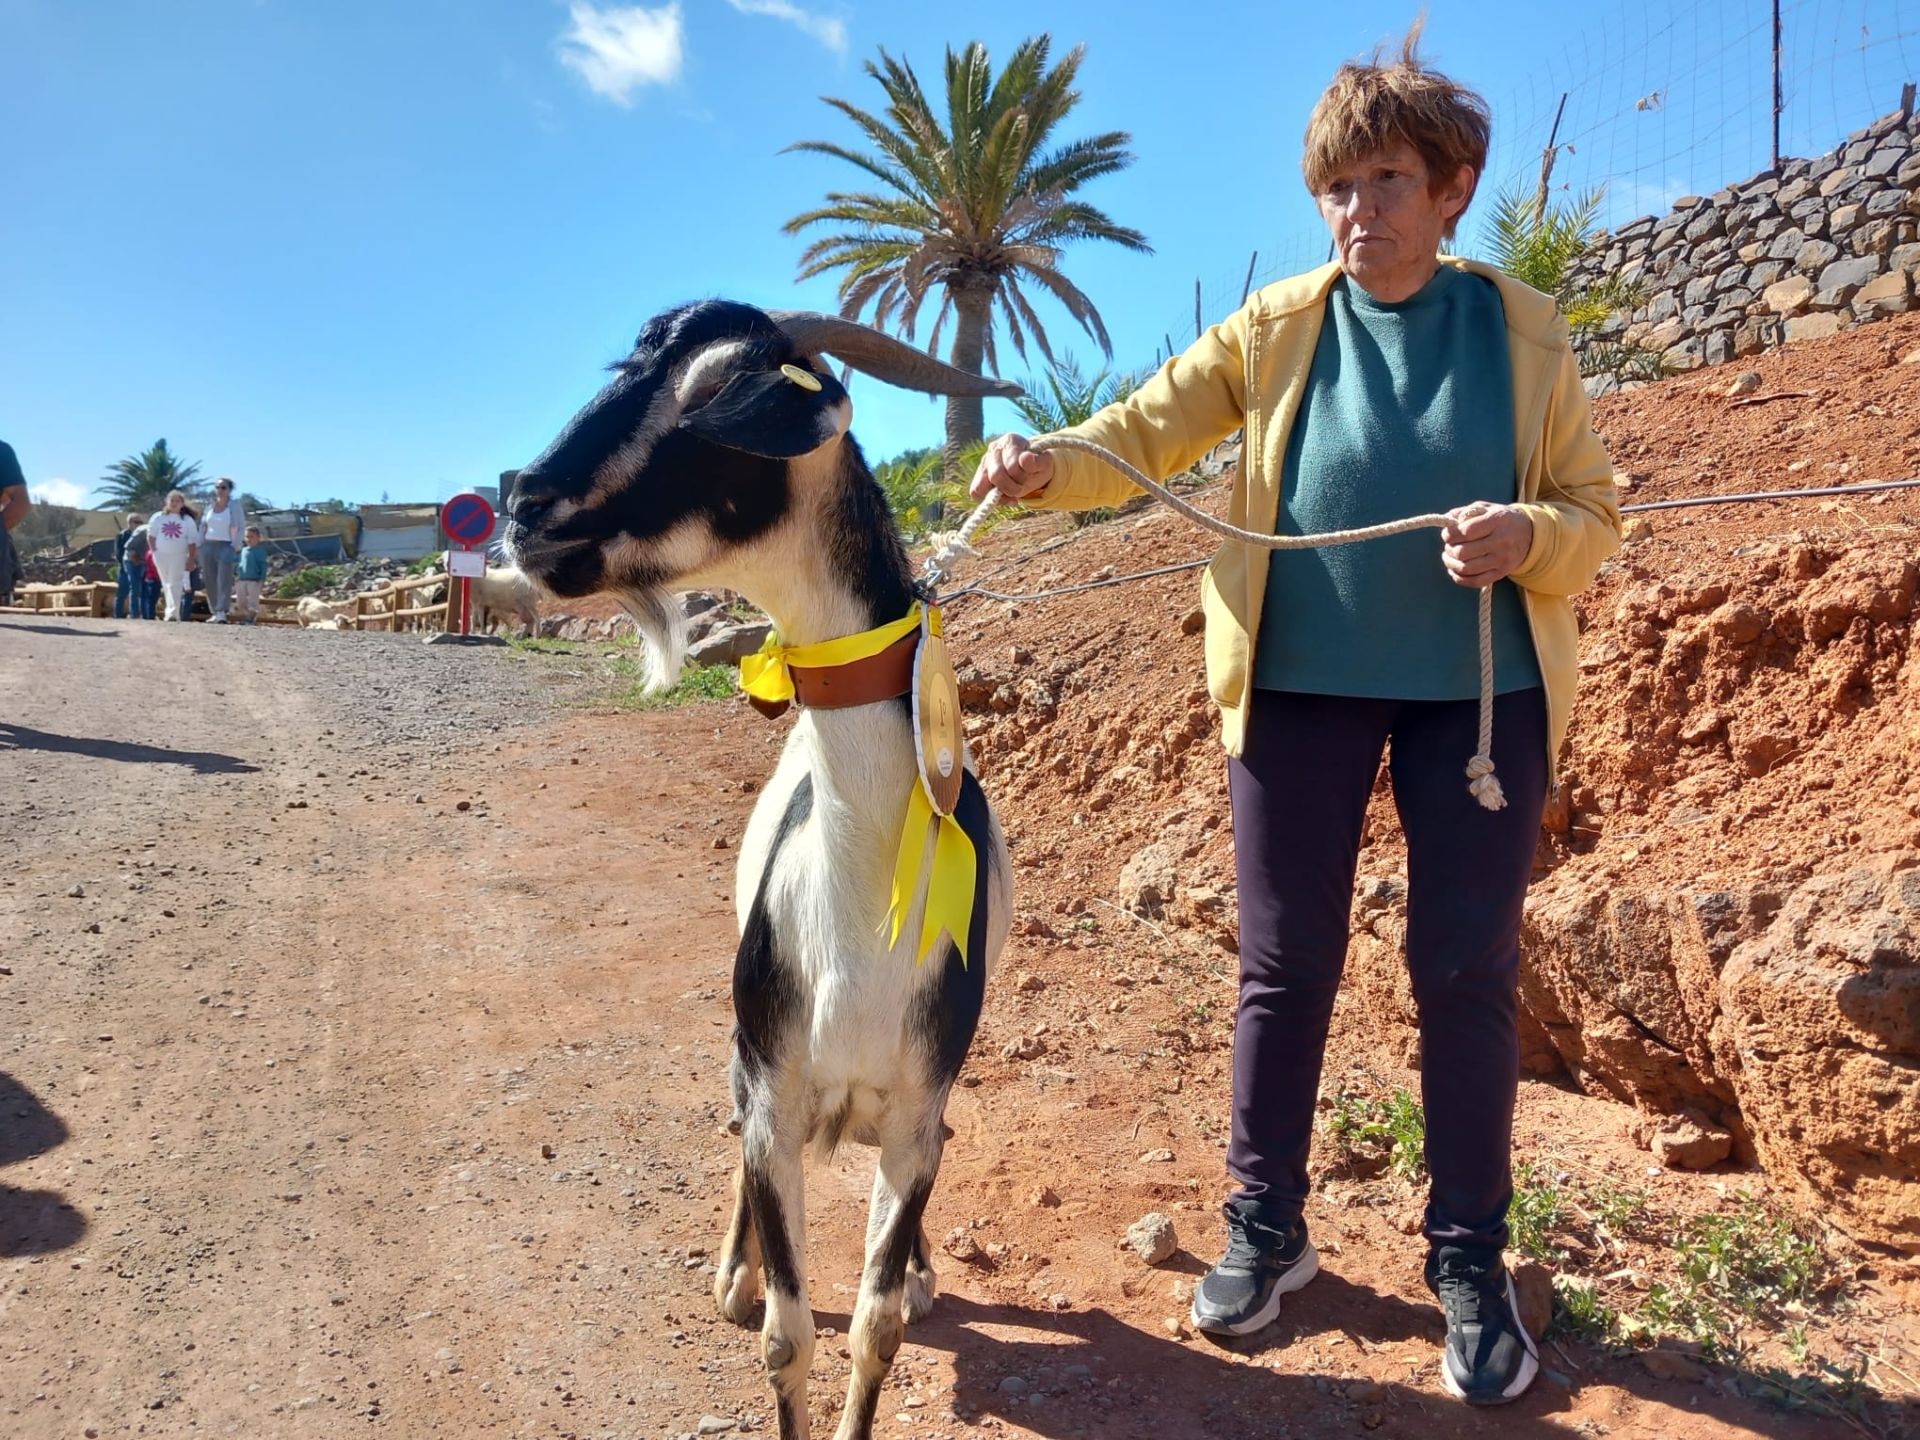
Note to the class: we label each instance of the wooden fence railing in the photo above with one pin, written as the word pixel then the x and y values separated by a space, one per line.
pixel 92 598
pixel 388 608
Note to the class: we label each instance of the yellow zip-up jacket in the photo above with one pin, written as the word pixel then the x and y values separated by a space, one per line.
pixel 1250 371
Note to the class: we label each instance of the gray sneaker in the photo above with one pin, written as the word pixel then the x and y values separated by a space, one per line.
pixel 1242 1293
pixel 1489 1357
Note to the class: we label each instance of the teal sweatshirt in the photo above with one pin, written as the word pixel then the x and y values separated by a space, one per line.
pixel 1408 409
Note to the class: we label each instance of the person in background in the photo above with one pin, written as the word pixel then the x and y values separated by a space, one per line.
pixel 14 505
pixel 174 538
pixel 149 581
pixel 134 556
pixel 127 574
pixel 221 531
pixel 193 569
pixel 251 573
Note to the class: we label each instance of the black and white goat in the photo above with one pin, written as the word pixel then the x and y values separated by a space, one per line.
pixel 703 464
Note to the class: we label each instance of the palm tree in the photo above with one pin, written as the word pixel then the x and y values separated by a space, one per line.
pixel 141 482
pixel 977 206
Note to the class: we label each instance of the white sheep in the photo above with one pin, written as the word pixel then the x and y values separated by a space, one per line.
pixel 504 589
pixel 315 612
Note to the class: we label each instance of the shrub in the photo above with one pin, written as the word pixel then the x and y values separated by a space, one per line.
pixel 308 580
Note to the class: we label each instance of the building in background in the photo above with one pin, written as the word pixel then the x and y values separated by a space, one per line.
pixel 400 532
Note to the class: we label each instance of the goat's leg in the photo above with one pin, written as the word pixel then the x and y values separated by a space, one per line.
pixel 922 1284
pixel 736 1282
pixel 773 1193
pixel 736 1286
pixel 901 1184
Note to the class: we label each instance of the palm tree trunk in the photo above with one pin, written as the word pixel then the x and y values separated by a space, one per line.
pixel 966 415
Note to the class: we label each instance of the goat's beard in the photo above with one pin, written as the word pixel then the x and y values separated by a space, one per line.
pixel 662 627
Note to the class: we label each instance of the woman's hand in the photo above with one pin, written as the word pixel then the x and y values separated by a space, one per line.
pixel 1485 542
pixel 1013 468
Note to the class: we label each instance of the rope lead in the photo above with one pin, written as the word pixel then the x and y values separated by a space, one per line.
pixel 1482 783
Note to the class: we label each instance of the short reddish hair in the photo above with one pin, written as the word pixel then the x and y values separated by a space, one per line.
pixel 1373 106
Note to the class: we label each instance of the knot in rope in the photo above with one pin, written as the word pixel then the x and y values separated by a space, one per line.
pixel 1484 785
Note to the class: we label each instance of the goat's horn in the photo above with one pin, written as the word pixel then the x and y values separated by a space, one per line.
pixel 883 357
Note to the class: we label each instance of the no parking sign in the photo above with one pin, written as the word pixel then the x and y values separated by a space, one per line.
pixel 467 520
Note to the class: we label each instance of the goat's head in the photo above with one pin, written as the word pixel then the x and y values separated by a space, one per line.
pixel 693 455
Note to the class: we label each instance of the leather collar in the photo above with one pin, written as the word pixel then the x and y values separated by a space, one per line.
pixel 882 676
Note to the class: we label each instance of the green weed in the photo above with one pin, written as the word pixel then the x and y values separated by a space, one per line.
pixel 1538 1209
pixel 1616 1211
pixel 1733 1269
pixel 1753 1261
pixel 307 580
pixel 1579 1312
pixel 625 673
pixel 698 684
pixel 534 645
pixel 1368 1129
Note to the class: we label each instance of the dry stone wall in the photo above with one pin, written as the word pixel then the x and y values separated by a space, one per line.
pixel 1795 253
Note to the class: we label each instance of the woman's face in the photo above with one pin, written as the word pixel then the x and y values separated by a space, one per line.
pixel 1387 222
pixel 176 503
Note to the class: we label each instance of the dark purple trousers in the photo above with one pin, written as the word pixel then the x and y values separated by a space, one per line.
pixel 1300 793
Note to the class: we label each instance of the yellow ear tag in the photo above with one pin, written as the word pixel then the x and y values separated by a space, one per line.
pixel 936 717
pixel 805 379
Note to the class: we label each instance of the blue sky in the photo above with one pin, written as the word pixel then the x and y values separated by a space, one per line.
pixel 355 247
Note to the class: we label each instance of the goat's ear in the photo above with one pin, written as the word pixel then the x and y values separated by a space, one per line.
pixel 770 414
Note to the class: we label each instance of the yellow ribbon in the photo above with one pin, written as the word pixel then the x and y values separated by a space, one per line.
pixel 765 673
pixel 949 888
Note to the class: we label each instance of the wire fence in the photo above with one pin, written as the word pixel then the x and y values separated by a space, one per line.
pixel 1660 100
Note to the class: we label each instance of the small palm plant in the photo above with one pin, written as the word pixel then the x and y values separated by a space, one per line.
pixel 1066 395
pixel 1539 245
pixel 977 201
pixel 914 493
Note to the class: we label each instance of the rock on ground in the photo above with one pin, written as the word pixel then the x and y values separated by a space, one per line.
pixel 1151 1237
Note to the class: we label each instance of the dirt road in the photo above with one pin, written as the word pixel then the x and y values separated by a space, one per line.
pixel 363 1023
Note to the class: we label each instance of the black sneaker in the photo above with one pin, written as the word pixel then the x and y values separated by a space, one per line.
pixel 1242 1293
pixel 1489 1357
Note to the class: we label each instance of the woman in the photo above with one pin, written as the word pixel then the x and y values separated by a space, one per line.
pixel 222 531
pixel 1392 383
pixel 173 541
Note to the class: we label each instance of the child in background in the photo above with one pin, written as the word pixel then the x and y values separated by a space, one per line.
pixel 250 577
pixel 150 580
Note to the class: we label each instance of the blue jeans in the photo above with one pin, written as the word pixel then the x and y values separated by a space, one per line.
pixel 149 597
pixel 1299 794
pixel 126 600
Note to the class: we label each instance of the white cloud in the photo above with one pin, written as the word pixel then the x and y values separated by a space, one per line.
pixel 621 48
pixel 58 492
pixel 829 32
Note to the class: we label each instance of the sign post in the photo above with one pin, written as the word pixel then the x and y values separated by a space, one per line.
pixel 467 520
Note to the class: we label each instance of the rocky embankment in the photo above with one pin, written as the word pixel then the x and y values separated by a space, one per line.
pixel 1725 923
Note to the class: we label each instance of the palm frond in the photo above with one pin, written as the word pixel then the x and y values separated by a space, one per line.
pixel 1078 305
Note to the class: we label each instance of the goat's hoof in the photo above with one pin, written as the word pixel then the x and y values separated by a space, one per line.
pixel 737 1292
pixel 916 1296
